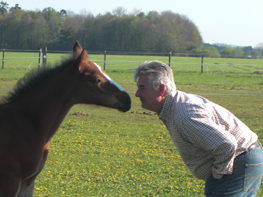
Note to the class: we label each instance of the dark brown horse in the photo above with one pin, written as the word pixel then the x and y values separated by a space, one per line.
pixel 33 111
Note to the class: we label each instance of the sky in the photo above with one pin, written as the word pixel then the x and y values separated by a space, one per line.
pixel 231 22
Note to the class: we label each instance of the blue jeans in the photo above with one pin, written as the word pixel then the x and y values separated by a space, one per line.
pixel 243 182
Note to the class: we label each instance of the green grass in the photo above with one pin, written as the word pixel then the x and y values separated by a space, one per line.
pixel 101 152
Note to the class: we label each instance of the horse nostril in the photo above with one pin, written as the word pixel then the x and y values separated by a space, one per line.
pixel 124 103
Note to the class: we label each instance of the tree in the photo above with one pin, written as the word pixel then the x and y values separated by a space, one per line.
pixel 3 7
pixel 119 12
pixel 63 13
pixel 134 32
pixel 12 30
pixel 258 52
pixel 211 52
pixel 15 8
pixel 40 31
pixel 55 23
pixel 85 24
pixel 232 52
pixel 3 25
pixel 65 41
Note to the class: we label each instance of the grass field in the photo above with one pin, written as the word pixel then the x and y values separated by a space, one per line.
pixel 102 152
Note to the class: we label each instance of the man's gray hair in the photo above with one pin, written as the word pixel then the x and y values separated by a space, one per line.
pixel 160 73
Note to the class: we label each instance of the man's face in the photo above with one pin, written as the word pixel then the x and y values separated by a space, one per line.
pixel 147 95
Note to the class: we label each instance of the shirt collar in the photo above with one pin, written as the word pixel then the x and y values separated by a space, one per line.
pixel 167 107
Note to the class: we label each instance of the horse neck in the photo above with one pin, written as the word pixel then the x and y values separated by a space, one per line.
pixel 47 104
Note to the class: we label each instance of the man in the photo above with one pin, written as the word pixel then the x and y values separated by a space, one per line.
pixel 214 144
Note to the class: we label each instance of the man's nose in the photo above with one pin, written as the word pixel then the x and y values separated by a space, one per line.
pixel 137 93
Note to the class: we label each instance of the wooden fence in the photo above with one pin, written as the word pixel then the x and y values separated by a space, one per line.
pixel 43 56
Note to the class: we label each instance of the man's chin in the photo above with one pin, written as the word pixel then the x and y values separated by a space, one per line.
pixel 144 107
pixel 147 108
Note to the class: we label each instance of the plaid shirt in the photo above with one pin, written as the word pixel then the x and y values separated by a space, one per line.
pixel 207 136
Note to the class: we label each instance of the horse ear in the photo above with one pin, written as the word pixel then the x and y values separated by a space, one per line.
pixel 77 49
pixel 83 63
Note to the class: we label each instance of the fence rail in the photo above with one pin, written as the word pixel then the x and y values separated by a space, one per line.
pixel 42 56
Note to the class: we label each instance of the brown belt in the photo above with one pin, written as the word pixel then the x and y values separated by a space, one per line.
pixel 254 146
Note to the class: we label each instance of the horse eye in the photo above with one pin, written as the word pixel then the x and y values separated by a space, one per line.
pixel 97 80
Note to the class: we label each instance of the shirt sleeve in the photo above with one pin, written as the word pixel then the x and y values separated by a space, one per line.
pixel 201 131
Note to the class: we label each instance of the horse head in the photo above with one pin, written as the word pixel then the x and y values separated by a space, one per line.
pixel 101 89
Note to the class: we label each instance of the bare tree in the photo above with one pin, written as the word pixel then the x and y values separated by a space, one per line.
pixel 119 12
pixel 135 12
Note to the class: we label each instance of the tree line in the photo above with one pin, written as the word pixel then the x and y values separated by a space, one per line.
pixel 153 32
pixel 118 31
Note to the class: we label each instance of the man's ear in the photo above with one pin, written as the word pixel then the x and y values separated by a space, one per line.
pixel 161 90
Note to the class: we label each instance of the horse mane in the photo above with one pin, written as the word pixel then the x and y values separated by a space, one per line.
pixel 32 79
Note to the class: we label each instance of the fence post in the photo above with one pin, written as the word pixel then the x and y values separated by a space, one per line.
pixel 170 57
pixel 3 59
pixel 39 57
pixel 104 67
pixel 44 57
pixel 202 62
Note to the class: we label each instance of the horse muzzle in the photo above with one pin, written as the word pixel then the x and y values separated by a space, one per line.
pixel 124 103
